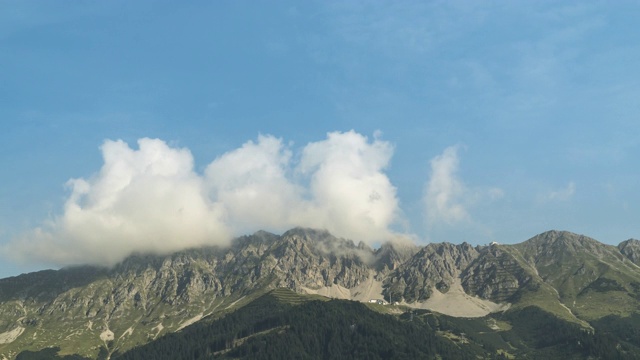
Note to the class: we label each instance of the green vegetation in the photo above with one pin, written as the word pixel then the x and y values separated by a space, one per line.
pixel 625 329
pixel 287 296
pixel 283 324
pixel 576 278
pixel 51 353
pixel 272 329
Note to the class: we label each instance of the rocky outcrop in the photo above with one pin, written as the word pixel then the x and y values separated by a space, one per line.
pixel 495 275
pixel 313 259
pixel 390 256
pixel 631 249
pixel 434 267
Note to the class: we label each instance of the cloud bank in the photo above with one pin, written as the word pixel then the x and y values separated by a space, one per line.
pixel 147 200
pixel 150 199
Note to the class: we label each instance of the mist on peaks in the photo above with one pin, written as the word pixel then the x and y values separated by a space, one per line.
pixel 151 199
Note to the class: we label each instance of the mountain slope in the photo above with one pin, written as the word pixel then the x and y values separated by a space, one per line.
pixel 585 273
pixel 282 324
pixel 90 311
pixel 86 309
pixel 631 249
pixel 312 329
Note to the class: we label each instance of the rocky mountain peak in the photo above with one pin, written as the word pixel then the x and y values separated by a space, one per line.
pixel 319 240
pixel 315 234
pixel 631 249
pixel 559 237
pixel 260 239
pixel 554 245
pixel 390 255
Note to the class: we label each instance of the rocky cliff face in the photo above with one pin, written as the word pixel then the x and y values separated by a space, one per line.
pixel 495 275
pixel 87 310
pixel 631 249
pixel 434 267
pixel 311 259
pixel 390 256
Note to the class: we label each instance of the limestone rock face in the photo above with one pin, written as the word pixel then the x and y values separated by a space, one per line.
pixel 435 265
pixel 390 256
pixel 311 259
pixel 631 249
pixel 495 275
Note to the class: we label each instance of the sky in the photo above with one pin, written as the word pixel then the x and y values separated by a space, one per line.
pixel 152 126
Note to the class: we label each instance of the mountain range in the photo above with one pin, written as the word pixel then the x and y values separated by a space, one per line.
pixel 583 286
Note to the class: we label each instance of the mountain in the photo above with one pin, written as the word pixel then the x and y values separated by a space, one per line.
pixel 284 324
pixel 92 312
pixel 590 278
pixel 434 267
pixel 631 249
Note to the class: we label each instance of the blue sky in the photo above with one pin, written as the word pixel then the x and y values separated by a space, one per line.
pixel 454 121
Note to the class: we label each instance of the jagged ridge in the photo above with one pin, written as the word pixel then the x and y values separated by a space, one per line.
pixel 146 296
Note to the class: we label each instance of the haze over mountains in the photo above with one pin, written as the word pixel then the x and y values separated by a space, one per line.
pixel 92 310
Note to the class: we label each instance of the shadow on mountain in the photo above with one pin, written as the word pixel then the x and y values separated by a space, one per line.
pixel 46 285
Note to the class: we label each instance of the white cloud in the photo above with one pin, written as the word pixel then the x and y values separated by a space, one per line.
pixel 560 195
pixel 146 200
pixel 252 184
pixel 444 191
pixel 350 193
pixel 449 203
pixel 341 186
pixel 150 199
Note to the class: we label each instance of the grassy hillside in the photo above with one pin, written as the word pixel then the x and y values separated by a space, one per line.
pixel 282 324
